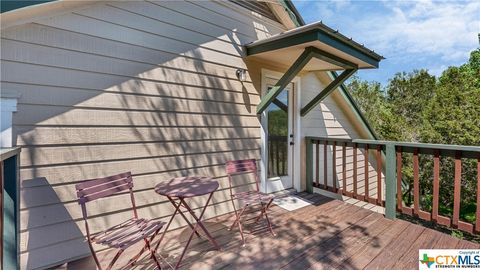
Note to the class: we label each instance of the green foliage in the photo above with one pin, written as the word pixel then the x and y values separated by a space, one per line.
pixel 453 115
pixel 372 101
pixel 407 94
pixel 418 107
pixel 277 123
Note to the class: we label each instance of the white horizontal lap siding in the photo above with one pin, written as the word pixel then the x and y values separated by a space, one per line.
pixel 148 87
pixel 329 120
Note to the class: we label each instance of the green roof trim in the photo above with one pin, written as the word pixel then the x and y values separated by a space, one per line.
pixel 315 32
pixel 9 5
pixel 292 12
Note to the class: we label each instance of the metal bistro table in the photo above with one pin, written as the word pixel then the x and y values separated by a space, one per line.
pixel 181 188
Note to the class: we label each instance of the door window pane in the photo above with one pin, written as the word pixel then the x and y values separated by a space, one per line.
pixel 277 126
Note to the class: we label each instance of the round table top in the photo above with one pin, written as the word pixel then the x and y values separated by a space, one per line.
pixel 187 187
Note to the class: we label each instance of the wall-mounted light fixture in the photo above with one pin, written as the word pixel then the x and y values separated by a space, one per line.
pixel 242 74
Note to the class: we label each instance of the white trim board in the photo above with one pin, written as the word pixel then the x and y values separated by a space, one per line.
pixel 296 171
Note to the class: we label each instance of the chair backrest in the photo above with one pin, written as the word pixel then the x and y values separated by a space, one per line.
pixel 93 189
pixel 236 167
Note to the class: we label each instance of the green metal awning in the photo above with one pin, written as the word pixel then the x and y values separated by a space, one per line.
pixel 313 47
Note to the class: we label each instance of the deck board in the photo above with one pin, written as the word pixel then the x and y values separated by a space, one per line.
pixel 352 243
pixel 328 234
pixel 426 240
pixel 370 250
pixel 395 250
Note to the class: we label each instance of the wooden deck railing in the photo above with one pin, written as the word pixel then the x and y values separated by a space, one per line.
pixel 389 161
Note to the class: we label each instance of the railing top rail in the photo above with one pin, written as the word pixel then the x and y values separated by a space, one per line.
pixel 329 139
pixel 435 146
pixel 424 148
pixel 6 153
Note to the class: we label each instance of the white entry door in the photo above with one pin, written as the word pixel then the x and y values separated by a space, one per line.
pixel 278 125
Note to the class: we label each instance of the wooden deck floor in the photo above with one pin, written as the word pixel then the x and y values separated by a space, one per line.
pixel 329 234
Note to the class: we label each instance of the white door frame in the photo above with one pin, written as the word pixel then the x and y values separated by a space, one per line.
pixel 296 133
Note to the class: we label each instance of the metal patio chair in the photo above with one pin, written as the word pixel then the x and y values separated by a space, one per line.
pixel 124 234
pixel 248 198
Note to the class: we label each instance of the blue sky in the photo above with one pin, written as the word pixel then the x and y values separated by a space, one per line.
pixel 410 34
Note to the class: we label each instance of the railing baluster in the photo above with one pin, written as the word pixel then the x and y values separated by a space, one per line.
pixel 365 159
pixel 325 166
pixel 436 184
pixel 317 163
pixel 379 175
pixel 477 222
pixel 334 166
pixel 399 178
pixel 277 154
pixel 344 168
pixel 457 188
pixel 416 183
pixel 270 158
pixel 354 170
pixel 283 161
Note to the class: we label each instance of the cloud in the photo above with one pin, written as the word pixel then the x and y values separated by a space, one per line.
pixel 424 27
pixel 427 33
pixel 437 71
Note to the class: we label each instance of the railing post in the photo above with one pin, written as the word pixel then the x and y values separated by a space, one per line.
pixel 390 181
pixel 309 164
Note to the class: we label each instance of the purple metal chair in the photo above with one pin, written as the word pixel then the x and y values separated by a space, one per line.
pixel 124 234
pixel 248 198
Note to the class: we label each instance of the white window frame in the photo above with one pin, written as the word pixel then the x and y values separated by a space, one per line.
pixel 8 105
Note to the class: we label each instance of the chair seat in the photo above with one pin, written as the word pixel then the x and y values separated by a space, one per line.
pixel 253 197
pixel 127 233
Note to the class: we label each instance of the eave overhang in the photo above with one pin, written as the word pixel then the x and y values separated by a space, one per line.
pixel 283 49
pixel 313 47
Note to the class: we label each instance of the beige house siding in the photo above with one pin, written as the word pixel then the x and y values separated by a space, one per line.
pixel 332 118
pixel 147 87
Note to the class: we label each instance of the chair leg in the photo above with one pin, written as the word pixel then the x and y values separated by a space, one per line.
pixel 148 247
pixel 268 220
pixel 236 215
pixel 94 254
pixel 152 253
pixel 240 223
pixel 237 219
pixel 134 259
pixel 115 259
pixel 261 214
